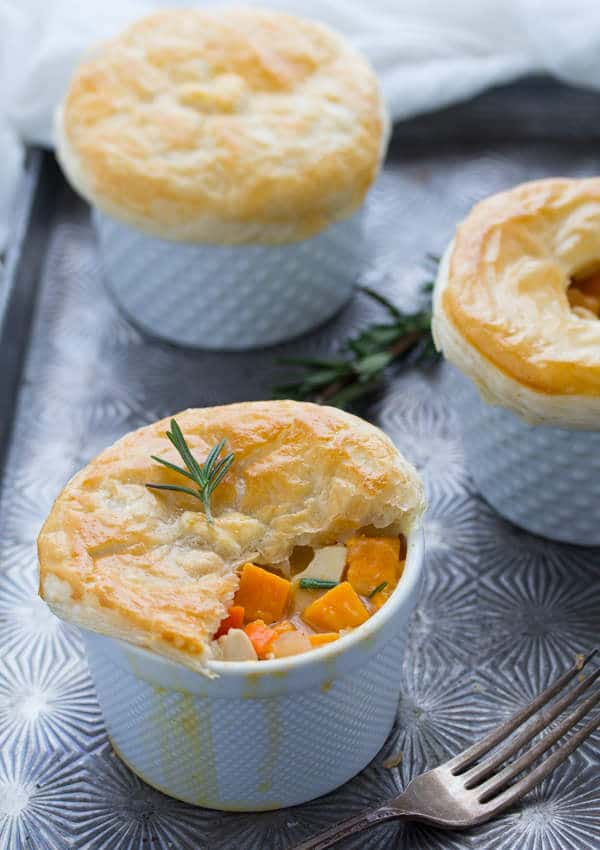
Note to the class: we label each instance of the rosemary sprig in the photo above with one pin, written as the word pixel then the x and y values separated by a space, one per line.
pixel 207 477
pixel 378 589
pixel 317 584
pixel 342 381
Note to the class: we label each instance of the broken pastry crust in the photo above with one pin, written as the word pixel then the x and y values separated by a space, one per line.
pixel 147 567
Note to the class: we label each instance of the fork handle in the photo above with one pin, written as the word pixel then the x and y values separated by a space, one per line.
pixel 348 827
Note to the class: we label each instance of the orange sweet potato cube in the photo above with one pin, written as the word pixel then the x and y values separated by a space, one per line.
pixel 321 638
pixel 339 608
pixel 372 561
pixel 263 595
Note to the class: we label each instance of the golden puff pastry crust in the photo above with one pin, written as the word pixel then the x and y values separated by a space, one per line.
pixel 146 566
pixel 501 311
pixel 228 126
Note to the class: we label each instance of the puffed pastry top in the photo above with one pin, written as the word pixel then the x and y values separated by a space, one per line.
pixel 146 566
pixel 501 311
pixel 226 126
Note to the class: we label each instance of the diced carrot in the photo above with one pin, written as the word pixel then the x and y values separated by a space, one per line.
pixel 261 636
pixel 372 561
pixel 263 595
pixel 339 608
pixel 234 620
pixel 322 638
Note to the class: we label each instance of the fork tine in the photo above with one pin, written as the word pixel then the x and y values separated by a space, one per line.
pixel 501 779
pixel 477 774
pixel 497 804
pixel 468 756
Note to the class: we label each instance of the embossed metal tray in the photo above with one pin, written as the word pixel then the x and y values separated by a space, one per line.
pixel 501 612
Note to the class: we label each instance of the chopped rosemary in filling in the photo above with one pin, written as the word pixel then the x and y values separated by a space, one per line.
pixel 316 583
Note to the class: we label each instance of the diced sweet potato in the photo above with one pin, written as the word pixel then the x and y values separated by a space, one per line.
pixel 372 561
pixel 339 608
pixel 322 638
pixel 263 595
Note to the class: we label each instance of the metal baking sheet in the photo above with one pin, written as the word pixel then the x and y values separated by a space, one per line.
pixel 502 612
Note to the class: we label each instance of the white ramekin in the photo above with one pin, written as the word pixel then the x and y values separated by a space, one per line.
pixel 230 297
pixel 262 735
pixel 546 480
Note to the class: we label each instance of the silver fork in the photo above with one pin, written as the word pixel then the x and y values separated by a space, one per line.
pixel 467 790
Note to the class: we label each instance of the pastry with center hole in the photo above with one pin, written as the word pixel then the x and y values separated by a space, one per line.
pixel 516 310
pixel 227 155
pixel 238 570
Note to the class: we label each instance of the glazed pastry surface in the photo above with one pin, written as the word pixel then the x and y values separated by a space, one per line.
pixel 501 310
pixel 227 127
pixel 147 567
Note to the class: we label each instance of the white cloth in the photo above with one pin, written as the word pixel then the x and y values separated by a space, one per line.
pixel 428 53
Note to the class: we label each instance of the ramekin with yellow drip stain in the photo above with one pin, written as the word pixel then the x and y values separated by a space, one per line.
pixel 152 571
pixel 265 734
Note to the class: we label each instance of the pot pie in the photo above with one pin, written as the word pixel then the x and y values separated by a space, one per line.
pixel 302 540
pixel 227 127
pixel 517 301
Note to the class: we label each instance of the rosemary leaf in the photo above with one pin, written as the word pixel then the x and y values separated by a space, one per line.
pixel 187 490
pixel 349 394
pixel 320 379
pixel 373 363
pixel 220 472
pixel 378 589
pixel 173 466
pixel 178 440
pixel 377 296
pixel 316 584
pixel 373 339
pixel 207 477
pixel 316 362
pixel 345 380
pixel 212 457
